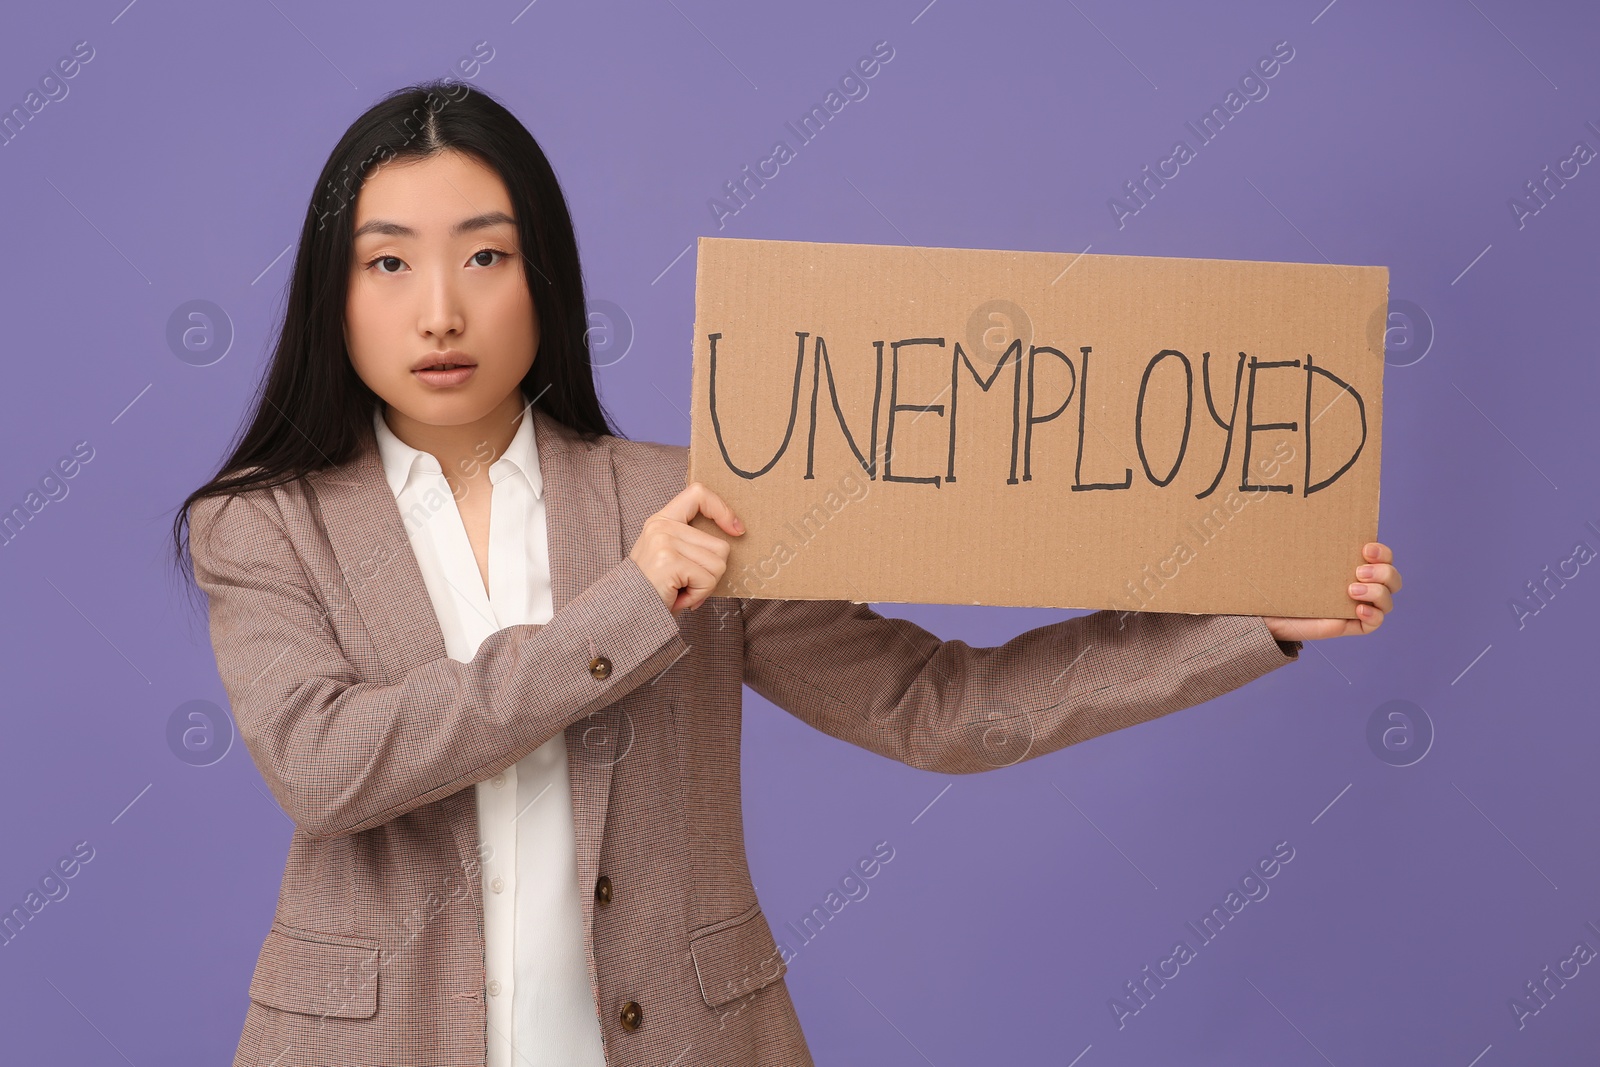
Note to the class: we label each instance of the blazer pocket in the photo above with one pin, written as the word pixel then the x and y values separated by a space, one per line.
pixel 315 973
pixel 735 957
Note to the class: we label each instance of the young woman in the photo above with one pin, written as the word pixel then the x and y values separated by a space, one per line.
pixel 455 615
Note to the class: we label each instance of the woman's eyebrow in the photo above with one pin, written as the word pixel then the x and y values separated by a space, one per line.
pixel 476 222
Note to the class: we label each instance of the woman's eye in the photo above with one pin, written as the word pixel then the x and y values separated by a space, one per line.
pixel 392 264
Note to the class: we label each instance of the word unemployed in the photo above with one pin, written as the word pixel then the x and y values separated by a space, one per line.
pixel 1024 416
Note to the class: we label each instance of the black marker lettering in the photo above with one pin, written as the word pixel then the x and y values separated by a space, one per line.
pixel 1077 469
pixel 1233 416
pixel 1027 447
pixel 1245 485
pixel 794 407
pixel 959 358
pixel 820 358
pixel 894 406
pixel 1188 414
pixel 1312 487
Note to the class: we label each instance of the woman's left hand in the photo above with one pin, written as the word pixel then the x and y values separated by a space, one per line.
pixel 1373 591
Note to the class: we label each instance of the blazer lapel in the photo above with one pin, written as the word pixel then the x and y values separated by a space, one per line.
pixel 385 583
pixel 584 524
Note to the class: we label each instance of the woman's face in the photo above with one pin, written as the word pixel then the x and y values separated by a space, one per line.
pixel 437 276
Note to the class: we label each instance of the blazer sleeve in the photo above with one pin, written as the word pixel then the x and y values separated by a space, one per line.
pixel 890 686
pixel 343 755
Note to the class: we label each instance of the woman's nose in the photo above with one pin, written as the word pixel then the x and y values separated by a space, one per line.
pixel 441 311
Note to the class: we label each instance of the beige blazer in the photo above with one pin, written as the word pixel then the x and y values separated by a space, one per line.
pixel 372 739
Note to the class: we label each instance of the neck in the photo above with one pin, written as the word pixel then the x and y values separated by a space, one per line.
pixel 466 451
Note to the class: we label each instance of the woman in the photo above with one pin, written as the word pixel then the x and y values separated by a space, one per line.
pixel 455 615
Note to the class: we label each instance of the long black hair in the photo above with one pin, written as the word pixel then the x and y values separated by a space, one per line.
pixel 312 410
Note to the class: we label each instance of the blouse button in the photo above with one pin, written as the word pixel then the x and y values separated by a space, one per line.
pixel 494 987
pixel 497 884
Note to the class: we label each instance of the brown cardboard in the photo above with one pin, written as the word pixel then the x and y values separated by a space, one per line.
pixel 1029 518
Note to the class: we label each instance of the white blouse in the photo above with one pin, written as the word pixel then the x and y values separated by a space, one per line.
pixel 539 1006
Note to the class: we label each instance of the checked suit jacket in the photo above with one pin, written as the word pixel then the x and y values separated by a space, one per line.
pixel 372 739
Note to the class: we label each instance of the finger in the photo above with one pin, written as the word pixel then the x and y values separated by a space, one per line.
pixel 713 561
pixel 700 586
pixel 1377 552
pixel 1369 617
pixel 716 508
pixel 1302 629
pixel 681 563
pixel 680 508
pixel 1379 573
pixel 697 583
pixel 678 533
pixel 1377 595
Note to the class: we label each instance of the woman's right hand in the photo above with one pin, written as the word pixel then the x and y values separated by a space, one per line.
pixel 684 563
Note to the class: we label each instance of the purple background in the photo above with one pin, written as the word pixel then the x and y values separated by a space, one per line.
pixel 1420 899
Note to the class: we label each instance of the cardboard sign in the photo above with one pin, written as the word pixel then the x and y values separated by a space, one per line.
pixel 942 425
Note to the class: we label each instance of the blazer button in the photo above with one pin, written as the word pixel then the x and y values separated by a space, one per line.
pixel 631 1016
pixel 602 891
pixel 600 667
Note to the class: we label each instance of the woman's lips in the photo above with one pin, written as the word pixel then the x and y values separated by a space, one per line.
pixel 444 379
